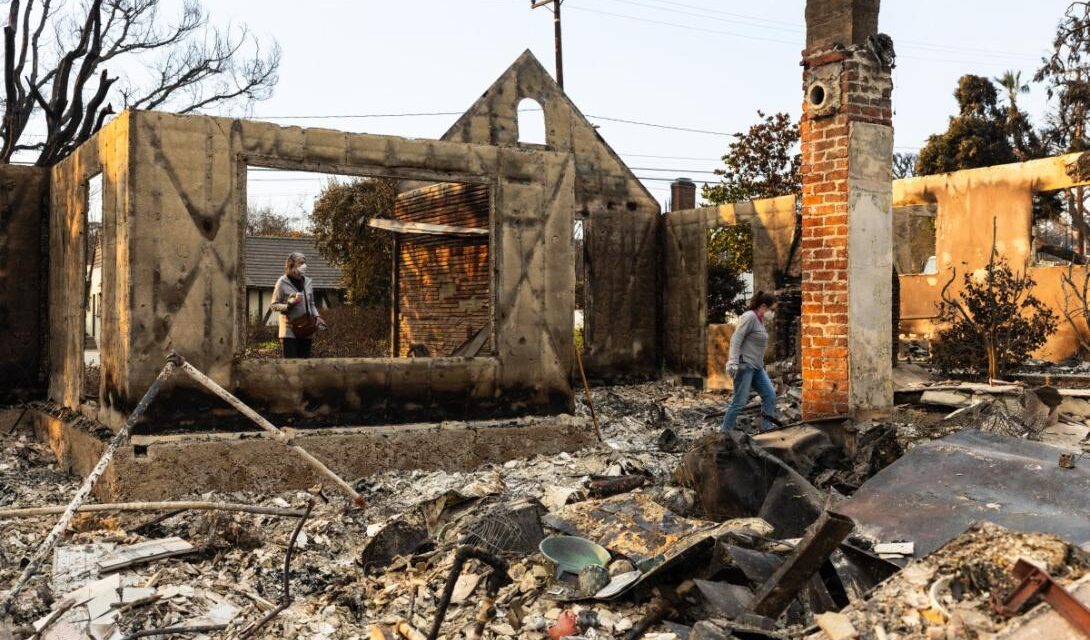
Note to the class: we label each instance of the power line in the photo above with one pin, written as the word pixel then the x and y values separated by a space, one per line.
pixel 795 25
pixel 458 113
pixel 324 176
pixel 909 43
pixel 353 116
pixel 673 169
pixel 664 126
pixel 682 26
pixel 642 155
pixel 709 17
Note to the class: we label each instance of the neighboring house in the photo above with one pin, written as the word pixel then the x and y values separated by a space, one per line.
pixel 265 256
pixel 93 317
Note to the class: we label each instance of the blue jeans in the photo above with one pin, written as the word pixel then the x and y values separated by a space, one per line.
pixel 748 377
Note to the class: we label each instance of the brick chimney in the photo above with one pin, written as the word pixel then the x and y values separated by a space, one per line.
pixel 682 194
pixel 847 257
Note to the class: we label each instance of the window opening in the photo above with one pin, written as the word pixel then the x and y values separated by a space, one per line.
pixel 92 287
pixel 531 122
pixel 400 268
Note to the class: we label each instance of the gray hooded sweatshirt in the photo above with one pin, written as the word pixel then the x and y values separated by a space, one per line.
pixel 288 312
pixel 748 343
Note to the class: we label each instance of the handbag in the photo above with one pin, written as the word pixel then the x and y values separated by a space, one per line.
pixel 305 325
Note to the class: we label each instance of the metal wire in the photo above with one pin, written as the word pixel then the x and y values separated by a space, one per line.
pixel 494 532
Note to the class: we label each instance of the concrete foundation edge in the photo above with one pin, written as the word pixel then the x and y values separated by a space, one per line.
pixel 171 467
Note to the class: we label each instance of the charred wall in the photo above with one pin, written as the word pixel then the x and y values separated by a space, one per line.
pixel 621 337
pixel 174 219
pixel 24 193
pixel 685 270
pixel 106 153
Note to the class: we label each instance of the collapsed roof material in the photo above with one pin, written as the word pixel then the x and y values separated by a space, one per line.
pixel 939 488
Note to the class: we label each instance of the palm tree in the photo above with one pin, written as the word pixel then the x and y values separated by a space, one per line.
pixel 1026 143
pixel 1012 82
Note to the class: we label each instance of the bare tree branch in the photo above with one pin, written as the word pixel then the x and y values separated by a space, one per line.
pixel 65 88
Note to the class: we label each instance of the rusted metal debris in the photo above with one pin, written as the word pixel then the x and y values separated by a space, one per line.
pixel 601 487
pixel 1037 582
pixel 820 541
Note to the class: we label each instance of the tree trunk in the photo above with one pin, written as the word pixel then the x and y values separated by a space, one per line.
pixel 993 358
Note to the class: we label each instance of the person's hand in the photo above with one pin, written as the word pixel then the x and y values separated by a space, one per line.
pixel 294 298
pixel 732 369
pixel 322 326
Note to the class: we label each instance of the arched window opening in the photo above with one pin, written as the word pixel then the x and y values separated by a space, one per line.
pixel 531 122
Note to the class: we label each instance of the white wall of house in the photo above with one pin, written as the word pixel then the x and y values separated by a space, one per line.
pixel 93 314
pixel 258 300
pixel 257 303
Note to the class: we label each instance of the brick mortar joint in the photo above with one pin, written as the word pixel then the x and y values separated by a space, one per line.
pixel 854 54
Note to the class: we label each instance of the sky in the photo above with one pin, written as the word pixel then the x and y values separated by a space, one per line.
pixel 696 64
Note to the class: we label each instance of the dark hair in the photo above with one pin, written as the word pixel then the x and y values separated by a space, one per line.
pixel 762 298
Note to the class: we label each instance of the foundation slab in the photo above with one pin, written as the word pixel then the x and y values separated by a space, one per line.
pixel 170 467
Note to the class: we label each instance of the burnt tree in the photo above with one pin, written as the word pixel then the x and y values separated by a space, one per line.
pixel 58 91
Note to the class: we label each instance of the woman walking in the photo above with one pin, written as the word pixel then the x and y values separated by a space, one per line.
pixel 746 362
pixel 293 297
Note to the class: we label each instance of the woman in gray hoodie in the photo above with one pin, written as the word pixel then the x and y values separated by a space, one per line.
pixel 746 362
pixel 293 297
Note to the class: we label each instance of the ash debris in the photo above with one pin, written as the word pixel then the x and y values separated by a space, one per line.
pixel 708 535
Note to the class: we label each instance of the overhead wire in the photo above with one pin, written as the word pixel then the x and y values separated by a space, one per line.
pixel 910 44
pixel 458 113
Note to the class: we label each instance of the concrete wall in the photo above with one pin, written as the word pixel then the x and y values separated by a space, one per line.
pixel 107 153
pixel 179 466
pixel 174 202
pixel 870 267
pixel 685 270
pixel 23 223
pixel 967 202
pixel 620 335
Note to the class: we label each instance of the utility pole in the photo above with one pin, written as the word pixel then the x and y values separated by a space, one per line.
pixel 534 4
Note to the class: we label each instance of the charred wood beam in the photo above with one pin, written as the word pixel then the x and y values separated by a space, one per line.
pixel 821 539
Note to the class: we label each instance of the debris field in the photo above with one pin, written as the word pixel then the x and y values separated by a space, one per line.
pixel 705 535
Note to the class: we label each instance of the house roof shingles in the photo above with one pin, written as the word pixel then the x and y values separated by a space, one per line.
pixel 265 257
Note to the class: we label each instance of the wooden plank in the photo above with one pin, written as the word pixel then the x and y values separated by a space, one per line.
pixel 424 228
pixel 142 552
pixel 820 541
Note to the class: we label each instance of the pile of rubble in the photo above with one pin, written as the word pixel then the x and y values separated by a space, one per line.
pixel 802 532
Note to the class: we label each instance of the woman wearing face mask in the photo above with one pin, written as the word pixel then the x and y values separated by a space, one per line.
pixel 746 363
pixel 293 297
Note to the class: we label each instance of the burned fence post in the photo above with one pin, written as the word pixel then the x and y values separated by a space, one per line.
pixel 821 539
pixel 85 489
pixel 280 436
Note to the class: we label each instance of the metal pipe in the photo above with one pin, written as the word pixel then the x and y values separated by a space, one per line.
pixel 496 580
pixel 285 598
pixel 280 436
pixel 586 394
pixel 31 512
pixel 85 489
